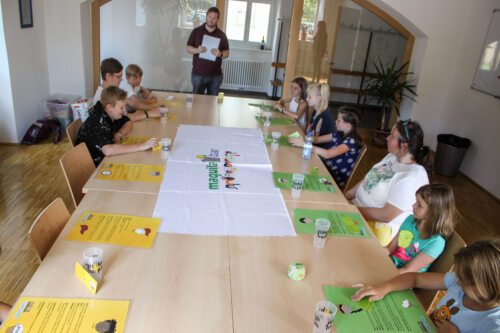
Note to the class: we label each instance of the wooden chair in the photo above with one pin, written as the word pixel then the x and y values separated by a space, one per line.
pixel 77 166
pixel 362 153
pixel 72 131
pixel 47 227
pixel 443 264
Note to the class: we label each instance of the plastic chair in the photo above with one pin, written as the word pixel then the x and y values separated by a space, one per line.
pixel 362 153
pixel 72 131
pixel 47 227
pixel 443 264
pixel 77 166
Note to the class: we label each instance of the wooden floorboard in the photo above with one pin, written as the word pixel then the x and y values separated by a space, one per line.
pixel 30 178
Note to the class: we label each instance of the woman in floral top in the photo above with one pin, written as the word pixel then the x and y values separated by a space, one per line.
pixel 387 192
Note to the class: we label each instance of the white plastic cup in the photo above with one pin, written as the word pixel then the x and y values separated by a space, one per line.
pixel 324 316
pixel 165 144
pixel 275 144
pixel 189 100
pixel 322 226
pixel 164 115
pixel 297 184
pixel 92 262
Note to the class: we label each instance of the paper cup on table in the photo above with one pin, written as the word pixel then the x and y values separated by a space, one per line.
pixel 323 317
pixel 322 226
pixel 297 184
pixel 268 115
pixel 92 262
pixel 164 114
pixel 189 100
pixel 165 144
pixel 276 140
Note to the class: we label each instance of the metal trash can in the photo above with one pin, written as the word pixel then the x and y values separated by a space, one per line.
pixel 449 154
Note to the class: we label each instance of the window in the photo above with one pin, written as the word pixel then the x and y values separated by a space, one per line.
pixel 309 19
pixel 193 12
pixel 248 21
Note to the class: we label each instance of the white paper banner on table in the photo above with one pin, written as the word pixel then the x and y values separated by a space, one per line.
pixel 223 214
pixel 211 134
pixel 225 153
pixel 215 177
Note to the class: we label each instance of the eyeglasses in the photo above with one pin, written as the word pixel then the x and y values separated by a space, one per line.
pixel 405 124
pixel 118 76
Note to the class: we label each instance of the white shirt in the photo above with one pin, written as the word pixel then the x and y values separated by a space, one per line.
pixel 391 182
pixel 98 92
pixel 294 107
pixel 131 91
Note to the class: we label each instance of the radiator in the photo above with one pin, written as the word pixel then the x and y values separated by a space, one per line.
pixel 245 74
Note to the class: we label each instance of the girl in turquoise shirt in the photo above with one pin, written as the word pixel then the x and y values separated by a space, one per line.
pixel 422 236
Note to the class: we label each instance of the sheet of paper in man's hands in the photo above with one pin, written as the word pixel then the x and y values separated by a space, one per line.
pixel 210 43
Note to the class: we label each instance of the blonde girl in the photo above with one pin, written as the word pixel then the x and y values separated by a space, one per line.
pixel 321 121
pixel 422 236
pixel 296 106
pixel 472 301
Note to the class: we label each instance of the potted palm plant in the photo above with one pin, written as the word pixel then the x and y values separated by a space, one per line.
pixel 388 87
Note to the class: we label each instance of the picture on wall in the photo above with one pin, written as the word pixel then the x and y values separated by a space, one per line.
pixel 26 14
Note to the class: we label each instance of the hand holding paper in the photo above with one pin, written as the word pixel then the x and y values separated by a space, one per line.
pixel 209 43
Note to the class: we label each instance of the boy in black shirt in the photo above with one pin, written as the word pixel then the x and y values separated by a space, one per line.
pixel 106 126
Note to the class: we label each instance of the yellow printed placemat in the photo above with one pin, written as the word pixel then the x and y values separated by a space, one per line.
pixel 131 172
pixel 43 314
pixel 118 229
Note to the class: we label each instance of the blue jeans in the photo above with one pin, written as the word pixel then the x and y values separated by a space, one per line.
pixel 211 83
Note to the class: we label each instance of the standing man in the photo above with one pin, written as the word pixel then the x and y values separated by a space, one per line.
pixel 207 74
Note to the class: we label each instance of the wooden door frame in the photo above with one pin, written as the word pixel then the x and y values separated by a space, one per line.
pixel 96 41
pixel 366 4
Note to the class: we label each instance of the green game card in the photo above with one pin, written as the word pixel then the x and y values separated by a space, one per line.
pixel 277 121
pixel 398 311
pixel 268 139
pixel 264 107
pixel 283 180
pixel 343 223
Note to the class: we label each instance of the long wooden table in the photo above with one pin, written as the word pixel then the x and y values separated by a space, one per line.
pixel 189 283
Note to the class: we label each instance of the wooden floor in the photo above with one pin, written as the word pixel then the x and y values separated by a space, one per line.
pixel 31 178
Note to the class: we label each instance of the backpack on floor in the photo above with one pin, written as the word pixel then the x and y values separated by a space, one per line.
pixel 41 129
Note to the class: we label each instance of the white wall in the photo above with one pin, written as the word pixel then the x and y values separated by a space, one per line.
pixel 64 47
pixel 454 31
pixel 27 58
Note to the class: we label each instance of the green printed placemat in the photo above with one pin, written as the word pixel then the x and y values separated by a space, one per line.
pixel 343 223
pixel 277 121
pixel 284 180
pixel 264 107
pixel 283 140
pixel 398 311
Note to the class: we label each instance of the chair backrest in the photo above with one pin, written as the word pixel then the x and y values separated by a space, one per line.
pixel 47 227
pixel 72 131
pixel 77 166
pixel 443 264
pixel 362 153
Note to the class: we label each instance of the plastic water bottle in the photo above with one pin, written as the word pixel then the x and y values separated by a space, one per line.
pixel 308 147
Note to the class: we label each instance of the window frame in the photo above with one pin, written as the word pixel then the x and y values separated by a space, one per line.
pixel 245 43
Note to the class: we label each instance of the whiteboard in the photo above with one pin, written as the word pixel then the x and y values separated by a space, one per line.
pixel 487 78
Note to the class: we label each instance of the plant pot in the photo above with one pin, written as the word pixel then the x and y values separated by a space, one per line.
pixel 380 137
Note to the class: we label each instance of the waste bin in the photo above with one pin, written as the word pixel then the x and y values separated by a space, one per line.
pixel 449 154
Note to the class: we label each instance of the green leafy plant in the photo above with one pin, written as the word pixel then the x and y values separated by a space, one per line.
pixel 388 87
